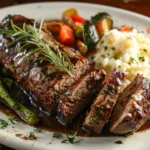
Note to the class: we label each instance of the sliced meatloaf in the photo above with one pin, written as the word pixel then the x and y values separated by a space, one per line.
pixel 132 107
pixel 102 107
pixel 79 96
pixel 42 79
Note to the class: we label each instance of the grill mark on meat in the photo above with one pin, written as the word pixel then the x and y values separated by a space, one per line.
pixel 102 107
pixel 33 75
pixel 132 108
pixel 47 84
pixel 79 96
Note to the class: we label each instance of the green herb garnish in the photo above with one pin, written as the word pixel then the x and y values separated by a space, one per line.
pixel 95 118
pixel 128 134
pixel 141 58
pixel 30 36
pixel 115 56
pixel 18 135
pixel 57 135
pixel 132 59
pixel 111 90
pixel 37 130
pixel 3 124
pixel 118 142
pixel 145 50
pixel 31 136
pixel 11 119
pixel 70 139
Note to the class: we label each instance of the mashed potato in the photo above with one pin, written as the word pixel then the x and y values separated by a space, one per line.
pixel 129 52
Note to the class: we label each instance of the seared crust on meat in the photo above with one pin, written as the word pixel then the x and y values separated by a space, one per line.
pixel 132 107
pixel 80 96
pixel 41 79
pixel 102 108
pixel 69 96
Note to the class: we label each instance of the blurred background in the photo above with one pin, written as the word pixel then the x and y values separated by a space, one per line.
pixel 139 6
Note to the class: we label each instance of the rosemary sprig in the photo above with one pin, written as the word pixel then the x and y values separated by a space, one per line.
pixel 30 35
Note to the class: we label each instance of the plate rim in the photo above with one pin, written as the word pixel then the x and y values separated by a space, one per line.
pixel 78 3
pixel 86 5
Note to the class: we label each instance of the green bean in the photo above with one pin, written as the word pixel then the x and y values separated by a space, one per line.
pixel 25 114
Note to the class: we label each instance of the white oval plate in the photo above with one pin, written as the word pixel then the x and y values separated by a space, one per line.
pixel 138 141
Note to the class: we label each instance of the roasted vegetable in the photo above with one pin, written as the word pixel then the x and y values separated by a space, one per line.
pixel 91 37
pixel 66 36
pixel 26 115
pixel 72 18
pixel 81 47
pixel 53 26
pixel 104 26
pixel 30 35
pixel 78 19
pixel 103 23
pixel 48 86
pixel 67 16
pixel 99 17
pixel 126 29
pixel 70 12
pixel 19 94
pixel 78 31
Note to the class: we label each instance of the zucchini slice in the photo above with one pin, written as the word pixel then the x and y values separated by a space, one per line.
pixel 91 36
pixel 99 17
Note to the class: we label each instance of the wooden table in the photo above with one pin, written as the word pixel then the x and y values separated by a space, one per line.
pixel 139 6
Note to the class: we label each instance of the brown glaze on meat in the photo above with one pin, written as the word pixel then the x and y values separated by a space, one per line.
pixel 51 87
pixel 80 96
pixel 132 108
pixel 41 79
pixel 102 108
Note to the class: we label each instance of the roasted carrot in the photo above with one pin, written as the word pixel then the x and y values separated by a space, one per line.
pixel 148 31
pixel 126 29
pixel 66 36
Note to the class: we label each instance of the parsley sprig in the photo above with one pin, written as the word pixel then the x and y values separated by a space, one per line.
pixel 12 119
pixel 70 139
pixel 3 124
pixel 57 135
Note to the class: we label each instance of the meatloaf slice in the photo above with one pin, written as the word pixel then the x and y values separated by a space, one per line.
pixel 79 96
pixel 132 107
pixel 104 103
pixel 42 80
